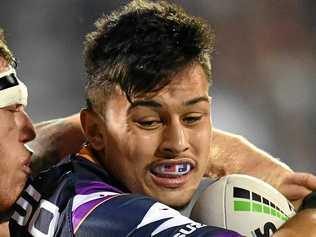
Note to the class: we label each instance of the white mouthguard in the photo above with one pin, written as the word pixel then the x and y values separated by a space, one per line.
pixel 29 148
pixel 173 169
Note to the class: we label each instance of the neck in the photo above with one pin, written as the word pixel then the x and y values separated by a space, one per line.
pixel 88 153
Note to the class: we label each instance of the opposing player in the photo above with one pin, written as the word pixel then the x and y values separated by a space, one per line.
pixel 148 131
pixel 16 130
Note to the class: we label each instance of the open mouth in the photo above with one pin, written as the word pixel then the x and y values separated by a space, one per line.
pixel 171 174
pixel 171 170
pixel 26 165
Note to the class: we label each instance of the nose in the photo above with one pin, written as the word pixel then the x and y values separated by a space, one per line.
pixel 174 140
pixel 27 131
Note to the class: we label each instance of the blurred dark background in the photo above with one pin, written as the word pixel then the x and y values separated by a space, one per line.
pixel 264 66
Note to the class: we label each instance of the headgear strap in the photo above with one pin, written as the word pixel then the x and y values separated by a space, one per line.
pixel 12 90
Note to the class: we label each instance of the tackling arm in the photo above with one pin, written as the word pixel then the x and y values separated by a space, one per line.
pixel 55 139
pixel 301 225
pixel 230 154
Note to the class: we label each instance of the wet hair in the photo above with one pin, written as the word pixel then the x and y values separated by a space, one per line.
pixel 141 46
pixel 5 51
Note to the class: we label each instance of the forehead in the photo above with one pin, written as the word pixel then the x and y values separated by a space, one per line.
pixel 187 84
pixel 3 64
pixel 191 80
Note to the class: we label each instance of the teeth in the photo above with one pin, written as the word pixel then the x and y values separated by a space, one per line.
pixel 173 169
pixel 29 148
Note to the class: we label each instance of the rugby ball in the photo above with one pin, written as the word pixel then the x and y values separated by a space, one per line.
pixel 243 204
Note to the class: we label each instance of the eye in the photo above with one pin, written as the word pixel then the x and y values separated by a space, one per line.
pixel 13 108
pixel 192 119
pixel 149 124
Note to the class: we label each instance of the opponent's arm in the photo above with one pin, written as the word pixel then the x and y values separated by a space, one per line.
pixel 55 139
pixel 229 154
pixel 301 225
pixel 233 154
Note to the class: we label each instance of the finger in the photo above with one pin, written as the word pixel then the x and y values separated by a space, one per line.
pixel 303 179
pixel 294 192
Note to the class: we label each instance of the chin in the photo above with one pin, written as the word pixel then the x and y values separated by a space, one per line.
pixel 175 199
pixel 9 196
pixel 6 204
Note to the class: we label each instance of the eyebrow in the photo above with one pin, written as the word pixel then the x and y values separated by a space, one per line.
pixel 155 104
pixel 197 100
pixel 145 103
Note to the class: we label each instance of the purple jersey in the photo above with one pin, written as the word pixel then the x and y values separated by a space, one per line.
pixel 77 198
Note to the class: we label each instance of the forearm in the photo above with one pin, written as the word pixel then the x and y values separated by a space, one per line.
pixel 234 154
pixel 55 139
pixel 301 225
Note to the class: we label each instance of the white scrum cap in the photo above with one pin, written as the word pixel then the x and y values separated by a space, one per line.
pixel 12 90
pixel 244 204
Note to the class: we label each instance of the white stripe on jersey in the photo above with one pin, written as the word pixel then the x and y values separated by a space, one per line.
pixel 159 211
pixel 80 199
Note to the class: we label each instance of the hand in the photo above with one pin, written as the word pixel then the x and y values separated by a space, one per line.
pixel 232 154
pixel 295 186
pixel 301 225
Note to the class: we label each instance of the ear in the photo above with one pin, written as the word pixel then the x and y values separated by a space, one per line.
pixel 210 101
pixel 92 126
pixel 211 121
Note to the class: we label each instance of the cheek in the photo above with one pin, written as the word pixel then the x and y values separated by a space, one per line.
pixel 8 163
pixel 130 150
pixel 200 141
pixel 8 144
pixel 135 145
pixel 128 161
pixel 4 161
pixel 143 144
pixel 8 128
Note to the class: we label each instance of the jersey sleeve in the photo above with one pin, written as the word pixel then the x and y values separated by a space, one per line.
pixel 138 216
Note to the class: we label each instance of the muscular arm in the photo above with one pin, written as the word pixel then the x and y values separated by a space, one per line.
pixel 301 225
pixel 233 154
pixel 230 154
pixel 55 139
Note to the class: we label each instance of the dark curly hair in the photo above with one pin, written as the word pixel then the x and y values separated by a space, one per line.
pixel 141 46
